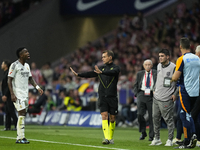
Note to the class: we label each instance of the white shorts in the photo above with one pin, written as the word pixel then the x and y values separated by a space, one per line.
pixel 21 104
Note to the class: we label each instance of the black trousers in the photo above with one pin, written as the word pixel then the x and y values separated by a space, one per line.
pixel 145 103
pixel 195 112
pixel 179 122
pixel 34 110
pixel 10 113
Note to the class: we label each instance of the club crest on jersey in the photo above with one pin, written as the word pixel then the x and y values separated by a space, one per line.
pixel 103 69
pixel 168 74
pixel 22 69
pixel 111 68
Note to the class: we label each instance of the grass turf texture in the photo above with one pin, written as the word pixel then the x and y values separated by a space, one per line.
pixel 77 138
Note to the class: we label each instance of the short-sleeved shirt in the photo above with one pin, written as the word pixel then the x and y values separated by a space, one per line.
pixel 189 65
pixel 20 74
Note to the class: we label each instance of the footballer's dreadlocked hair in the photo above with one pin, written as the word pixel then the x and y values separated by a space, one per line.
pixel 19 50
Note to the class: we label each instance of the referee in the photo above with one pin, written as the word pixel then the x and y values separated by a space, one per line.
pixel 108 101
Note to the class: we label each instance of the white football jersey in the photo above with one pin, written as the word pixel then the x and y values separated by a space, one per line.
pixel 20 75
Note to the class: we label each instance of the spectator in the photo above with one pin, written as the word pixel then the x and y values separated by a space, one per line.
pixel 36 73
pixel 69 103
pixel 70 84
pixel 32 95
pixel 37 107
pixel 129 111
pixel 47 73
pixel 56 74
pixel 139 22
pixel 180 9
pixel 50 104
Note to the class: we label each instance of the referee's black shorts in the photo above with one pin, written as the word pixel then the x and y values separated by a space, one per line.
pixel 109 104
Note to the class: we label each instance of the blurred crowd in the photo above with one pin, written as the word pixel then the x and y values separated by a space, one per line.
pixel 10 9
pixel 133 41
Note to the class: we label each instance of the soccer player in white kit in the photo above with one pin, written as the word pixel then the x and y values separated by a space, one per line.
pixel 18 77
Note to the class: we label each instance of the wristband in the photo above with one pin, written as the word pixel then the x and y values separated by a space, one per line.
pixel 37 87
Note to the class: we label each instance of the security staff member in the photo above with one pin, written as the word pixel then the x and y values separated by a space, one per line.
pixel 108 102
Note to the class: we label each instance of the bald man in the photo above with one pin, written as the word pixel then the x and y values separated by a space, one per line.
pixel 143 90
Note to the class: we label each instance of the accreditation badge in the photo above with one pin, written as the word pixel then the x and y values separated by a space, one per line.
pixel 167 82
pixel 147 92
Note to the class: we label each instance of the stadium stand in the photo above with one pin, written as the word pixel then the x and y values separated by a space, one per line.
pixel 10 9
pixel 131 44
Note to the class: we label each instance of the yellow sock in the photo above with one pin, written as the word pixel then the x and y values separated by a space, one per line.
pixel 105 128
pixel 112 129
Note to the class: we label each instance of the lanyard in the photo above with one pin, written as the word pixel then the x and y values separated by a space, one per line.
pixel 146 79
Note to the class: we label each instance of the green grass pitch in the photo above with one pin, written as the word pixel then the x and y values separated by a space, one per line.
pixel 77 138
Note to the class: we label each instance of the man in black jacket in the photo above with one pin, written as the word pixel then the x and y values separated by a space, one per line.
pixel 10 109
pixel 108 101
pixel 39 104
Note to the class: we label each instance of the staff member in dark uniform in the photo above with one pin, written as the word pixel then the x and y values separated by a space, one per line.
pixel 108 101
pixel 10 109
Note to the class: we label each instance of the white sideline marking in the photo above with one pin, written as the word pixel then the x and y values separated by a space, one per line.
pixel 65 143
